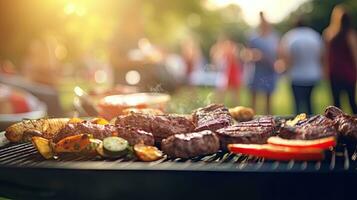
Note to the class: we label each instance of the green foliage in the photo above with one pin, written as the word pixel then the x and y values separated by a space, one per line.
pixel 317 14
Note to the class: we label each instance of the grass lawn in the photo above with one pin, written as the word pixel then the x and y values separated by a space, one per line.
pixel 283 102
pixel 187 99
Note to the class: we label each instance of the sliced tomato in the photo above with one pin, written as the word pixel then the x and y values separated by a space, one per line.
pixel 273 152
pixel 323 143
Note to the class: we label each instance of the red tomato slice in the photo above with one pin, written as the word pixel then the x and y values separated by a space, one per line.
pixel 323 143
pixel 273 152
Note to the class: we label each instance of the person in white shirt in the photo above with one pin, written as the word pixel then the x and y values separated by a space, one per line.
pixel 301 49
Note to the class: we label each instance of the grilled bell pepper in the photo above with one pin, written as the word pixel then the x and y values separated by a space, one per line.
pixel 74 143
pixel 323 143
pixel 274 152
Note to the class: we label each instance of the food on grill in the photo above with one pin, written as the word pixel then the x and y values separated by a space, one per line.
pixel 100 121
pixel 147 153
pixel 212 117
pixel 149 111
pixel 296 120
pixel 3 140
pixel 241 113
pixel 252 132
pixel 75 120
pixel 46 127
pixel 274 152
pixel 191 144
pixel 323 143
pixel 161 126
pixel 74 143
pixel 115 146
pixel 135 136
pixel 100 151
pixel 86 127
pixel 43 146
pixel 345 124
pixel 332 112
pixel 92 147
pixel 209 129
pixel 312 128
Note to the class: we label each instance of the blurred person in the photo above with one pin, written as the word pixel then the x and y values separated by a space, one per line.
pixel 302 49
pixel 335 23
pixel 341 57
pixel 224 56
pixel 263 44
pixel 193 58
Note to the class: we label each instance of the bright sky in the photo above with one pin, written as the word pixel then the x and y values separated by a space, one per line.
pixel 275 10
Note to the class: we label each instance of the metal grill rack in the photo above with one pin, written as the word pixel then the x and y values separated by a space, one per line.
pixel 342 158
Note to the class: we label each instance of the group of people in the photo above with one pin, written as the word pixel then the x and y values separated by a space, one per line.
pixel 302 53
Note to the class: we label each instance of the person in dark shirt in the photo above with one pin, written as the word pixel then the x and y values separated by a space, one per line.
pixel 342 61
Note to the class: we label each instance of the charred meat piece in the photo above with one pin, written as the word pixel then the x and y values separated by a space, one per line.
pixel 346 125
pixel 315 127
pixel 212 117
pixel 189 145
pixel 135 136
pixel 86 127
pixel 161 126
pixel 332 112
pixel 256 131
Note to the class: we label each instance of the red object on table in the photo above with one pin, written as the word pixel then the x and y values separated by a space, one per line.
pixel 19 103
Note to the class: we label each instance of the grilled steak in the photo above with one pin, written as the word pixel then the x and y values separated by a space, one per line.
pixel 256 131
pixel 161 126
pixel 315 127
pixel 332 112
pixel 191 144
pixel 86 127
pixel 135 136
pixel 212 117
pixel 344 123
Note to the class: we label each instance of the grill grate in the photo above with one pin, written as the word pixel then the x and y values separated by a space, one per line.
pixel 343 158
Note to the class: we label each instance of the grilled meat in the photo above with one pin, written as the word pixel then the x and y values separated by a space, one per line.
pixel 256 131
pixel 47 128
pixel 212 117
pixel 161 126
pixel 332 112
pixel 191 144
pixel 344 123
pixel 315 127
pixel 86 127
pixel 135 136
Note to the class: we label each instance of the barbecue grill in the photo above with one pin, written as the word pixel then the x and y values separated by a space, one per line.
pixel 25 174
